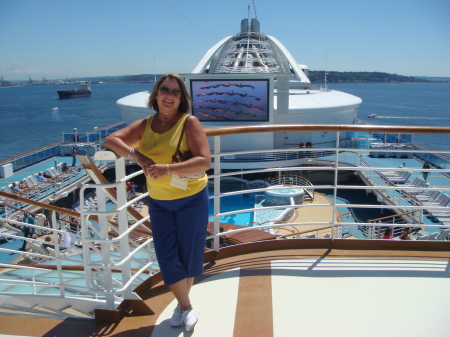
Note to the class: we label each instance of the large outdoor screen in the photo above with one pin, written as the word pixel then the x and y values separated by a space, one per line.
pixel 230 100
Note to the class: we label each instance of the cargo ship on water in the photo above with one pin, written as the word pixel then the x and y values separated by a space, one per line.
pixel 83 91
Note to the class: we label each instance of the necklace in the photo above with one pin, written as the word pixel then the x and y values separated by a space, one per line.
pixel 164 123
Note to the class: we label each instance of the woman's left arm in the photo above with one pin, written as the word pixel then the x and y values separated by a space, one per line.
pixel 198 146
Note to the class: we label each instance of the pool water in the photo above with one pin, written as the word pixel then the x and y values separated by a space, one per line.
pixel 234 203
pixel 244 201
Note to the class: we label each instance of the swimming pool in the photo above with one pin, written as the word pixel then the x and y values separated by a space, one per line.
pixel 284 196
pixel 244 201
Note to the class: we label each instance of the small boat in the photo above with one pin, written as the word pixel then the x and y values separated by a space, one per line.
pixel 372 116
pixel 83 91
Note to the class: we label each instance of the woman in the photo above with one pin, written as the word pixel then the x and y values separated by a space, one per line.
pixel 22 185
pixel 178 207
pixel 405 234
pixel 387 235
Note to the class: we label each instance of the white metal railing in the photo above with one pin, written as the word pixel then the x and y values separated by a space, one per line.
pixel 132 260
pixel 112 266
pixel 336 160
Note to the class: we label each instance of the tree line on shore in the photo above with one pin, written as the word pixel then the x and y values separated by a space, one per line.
pixel 315 76
pixel 318 76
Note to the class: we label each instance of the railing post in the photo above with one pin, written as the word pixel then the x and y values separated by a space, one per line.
pixel 216 242
pixel 122 218
pixel 336 171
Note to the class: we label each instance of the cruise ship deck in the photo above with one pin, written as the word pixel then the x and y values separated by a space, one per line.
pixel 300 288
pixel 330 284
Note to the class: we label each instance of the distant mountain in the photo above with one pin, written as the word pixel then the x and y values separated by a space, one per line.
pixel 318 76
pixel 435 79
pixel 315 76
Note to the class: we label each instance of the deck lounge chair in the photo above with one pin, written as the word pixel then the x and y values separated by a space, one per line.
pixel 6 189
pixel 7 231
pixel 432 236
pixel 399 180
pixel 43 254
pixel 419 188
pixel 444 235
pixel 428 196
pixel 442 200
pixel 442 214
pixel 52 172
pixel 41 185
pixel 395 174
pixel 417 182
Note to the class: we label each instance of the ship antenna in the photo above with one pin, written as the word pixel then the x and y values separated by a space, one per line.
pixel 254 8
pixel 326 73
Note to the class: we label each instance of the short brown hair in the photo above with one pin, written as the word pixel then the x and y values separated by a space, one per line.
pixel 185 99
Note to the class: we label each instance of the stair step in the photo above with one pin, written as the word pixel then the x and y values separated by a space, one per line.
pixel 11 309
pixel 77 313
pixel 43 311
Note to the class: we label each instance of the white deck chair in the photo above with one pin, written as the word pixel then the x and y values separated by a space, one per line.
pixel 432 236
pixel 37 249
pixel 402 179
pixel 6 189
pixel 420 188
pixel 442 213
pixel 50 171
pixel 55 171
pixel 40 185
pixel 442 200
pixel 444 235
pixel 417 182
pixel 395 173
pixel 428 196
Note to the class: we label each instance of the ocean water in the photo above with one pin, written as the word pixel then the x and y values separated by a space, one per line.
pixel 414 104
pixel 29 119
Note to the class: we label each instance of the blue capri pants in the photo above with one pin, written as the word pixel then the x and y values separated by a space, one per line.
pixel 179 235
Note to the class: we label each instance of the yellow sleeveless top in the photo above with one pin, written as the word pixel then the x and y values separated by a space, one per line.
pixel 160 147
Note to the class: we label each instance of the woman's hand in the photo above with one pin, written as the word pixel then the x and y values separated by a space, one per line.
pixel 157 171
pixel 144 162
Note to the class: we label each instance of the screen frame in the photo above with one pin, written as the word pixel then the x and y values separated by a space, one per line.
pixel 221 83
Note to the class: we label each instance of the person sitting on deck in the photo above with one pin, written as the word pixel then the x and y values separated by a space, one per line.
pixel 40 177
pixel 405 234
pixel 64 167
pixel 15 188
pixel 131 190
pixel 22 185
pixel 387 235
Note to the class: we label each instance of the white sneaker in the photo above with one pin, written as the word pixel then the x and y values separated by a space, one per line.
pixel 176 319
pixel 190 318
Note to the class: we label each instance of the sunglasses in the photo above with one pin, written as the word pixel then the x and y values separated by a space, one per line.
pixel 165 90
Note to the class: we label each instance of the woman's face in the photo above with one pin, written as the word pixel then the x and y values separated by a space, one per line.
pixel 168 97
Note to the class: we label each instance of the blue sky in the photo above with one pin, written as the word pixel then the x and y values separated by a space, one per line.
pixel 77 38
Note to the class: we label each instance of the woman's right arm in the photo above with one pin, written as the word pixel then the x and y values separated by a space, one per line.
pixel 123 141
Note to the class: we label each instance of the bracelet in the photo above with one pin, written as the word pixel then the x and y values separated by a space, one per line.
pixel 130 154
pixel 168 171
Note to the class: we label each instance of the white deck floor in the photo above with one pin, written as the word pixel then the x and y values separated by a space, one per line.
pixel 331 297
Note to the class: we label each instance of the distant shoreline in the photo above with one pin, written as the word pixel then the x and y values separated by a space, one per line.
pixel 315 76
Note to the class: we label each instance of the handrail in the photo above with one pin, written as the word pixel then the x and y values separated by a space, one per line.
pixel 394 216
pixel 232 130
